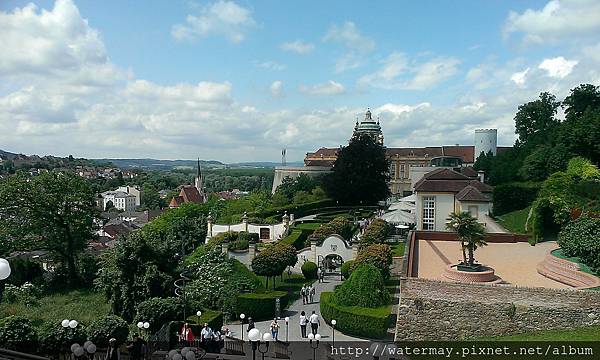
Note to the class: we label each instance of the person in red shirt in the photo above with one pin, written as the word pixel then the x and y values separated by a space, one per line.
pixel 186 336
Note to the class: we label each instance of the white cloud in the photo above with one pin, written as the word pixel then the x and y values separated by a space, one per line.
pixel 356 44
pixel 298 46
pixel 349 35
pixel 327 88
pixel 397 72
pixel 519 77
pixel 222 17
pixel 558 20
pixel 276 87
pixel 558 67
pixel 271 65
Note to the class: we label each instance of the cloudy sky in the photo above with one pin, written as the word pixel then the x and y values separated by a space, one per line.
pixel 240 80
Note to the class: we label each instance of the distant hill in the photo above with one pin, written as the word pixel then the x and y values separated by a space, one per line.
pixel 7 155
pixel 161 164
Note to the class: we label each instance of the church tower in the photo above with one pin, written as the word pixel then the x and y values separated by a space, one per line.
pixel 370 127
pixel 199 182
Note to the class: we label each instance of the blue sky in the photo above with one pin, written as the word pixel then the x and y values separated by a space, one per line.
pixel 239 80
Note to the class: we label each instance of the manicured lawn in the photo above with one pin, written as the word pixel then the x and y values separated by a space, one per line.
pixel 515 221
pixel 591 333
pixel 397 249
pixel 83 306
pixel 308 226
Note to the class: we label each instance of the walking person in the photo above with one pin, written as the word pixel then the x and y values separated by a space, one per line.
pixel 303 294
pixel 319 271
pixel 274 329
pixel 315 322
pixel 113 350
pixel 303 322
pixel 206 337
pixel 250 324
pixel 311 293
pixel 136 348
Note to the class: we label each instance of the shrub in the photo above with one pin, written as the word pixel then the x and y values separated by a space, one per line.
pixel 378 255
pixel 87 267
pixel 159 311
pixel 27 294
pixel 297 238
pixel 347 268
pixel 321 233
pixel 364 288
pixel 376 233
pixel 110 326
pixel 581 238
pixel 260 306
pixel 514 196
pixel 354 320
pixel 227 236
pixel 250 237
pixel 309 270
pixel 239 244
pixel 17 333
pixel 342 227
pixel 54 338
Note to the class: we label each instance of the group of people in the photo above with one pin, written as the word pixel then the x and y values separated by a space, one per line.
pixel 308 293
pixel 210 340
pixel 362 224
pixel 313 320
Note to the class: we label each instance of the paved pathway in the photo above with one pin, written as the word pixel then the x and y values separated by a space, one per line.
pixel 293 312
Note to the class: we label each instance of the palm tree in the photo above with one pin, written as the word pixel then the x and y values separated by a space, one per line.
pixel 470 233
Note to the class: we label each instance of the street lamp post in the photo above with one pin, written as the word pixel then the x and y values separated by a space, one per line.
pixel 5 271
pixel 287 328
pixel 242 316
pixel 88 348
pixel 143 326
pixel 254 337
pixel 312 337
pixel 333 322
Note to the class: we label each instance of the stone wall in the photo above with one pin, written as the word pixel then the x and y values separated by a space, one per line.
pixel 436 310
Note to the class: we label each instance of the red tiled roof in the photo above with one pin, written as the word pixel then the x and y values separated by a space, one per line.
pixel 176 201
pixel 318 162
pixel 469 171
pixel 470 193
pixel 447 180
pixel 325 152
pixel 445 174
pixel 190 194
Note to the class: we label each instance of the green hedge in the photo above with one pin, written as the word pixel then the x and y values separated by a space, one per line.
pixel 260 306
pixel 357 321
pixel 514 196
pixel 581 238
pixel 347 268
pixel 212 317
pixel 297 238
pixel 297 210
pixel 309 270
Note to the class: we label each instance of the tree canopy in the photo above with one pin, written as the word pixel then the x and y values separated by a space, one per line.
pixel 53 211
pixel 360 173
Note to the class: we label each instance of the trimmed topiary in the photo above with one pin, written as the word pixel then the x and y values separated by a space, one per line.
pixel 378 255
pixel 364 288
pixel 347 268
pixel 110 326
pixel 260 306
pixel 309 270
pixel 370 323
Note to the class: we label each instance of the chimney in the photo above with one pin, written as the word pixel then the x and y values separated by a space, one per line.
pixel 481 175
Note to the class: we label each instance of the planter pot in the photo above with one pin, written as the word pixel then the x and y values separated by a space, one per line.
pixel 471 268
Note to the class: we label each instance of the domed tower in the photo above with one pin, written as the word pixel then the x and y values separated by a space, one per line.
pixel 370 127
pixel 486 140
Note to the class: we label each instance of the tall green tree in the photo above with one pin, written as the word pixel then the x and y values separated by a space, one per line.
pixel 360 173
pixel 53 211
pixel 536 119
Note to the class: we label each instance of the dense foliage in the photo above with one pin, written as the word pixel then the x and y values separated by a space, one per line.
pixel 347 268
pixel 53 212
pixel 159 311
pixel 514 196
pixel 17 333
pixel 144 264
pixel 217 280
pixel 110 326
pixel 376 232
pixel 360 173
pixel 54 338
pixel 378 255
pixel 581 238
pixel 272 261
pixel 364 288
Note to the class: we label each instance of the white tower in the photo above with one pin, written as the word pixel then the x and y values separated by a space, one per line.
pixel 486 140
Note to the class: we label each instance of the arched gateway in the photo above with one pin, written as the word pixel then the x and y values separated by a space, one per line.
pixel 332 252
